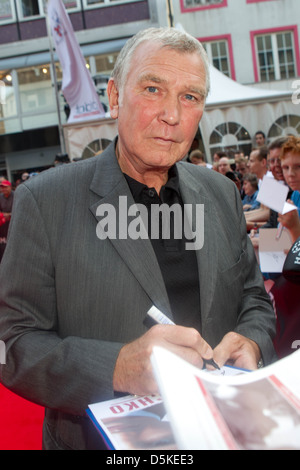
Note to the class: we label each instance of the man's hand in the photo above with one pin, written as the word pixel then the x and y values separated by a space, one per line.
pixel 238 351
pixel 291 221
pixel 133 370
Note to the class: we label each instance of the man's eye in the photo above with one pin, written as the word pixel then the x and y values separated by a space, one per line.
pixel 190 97
pixel 152 89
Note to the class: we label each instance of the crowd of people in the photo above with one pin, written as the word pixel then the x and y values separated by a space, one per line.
pixel 279 160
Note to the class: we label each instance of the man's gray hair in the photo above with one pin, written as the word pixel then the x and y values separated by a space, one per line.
pixel 167 37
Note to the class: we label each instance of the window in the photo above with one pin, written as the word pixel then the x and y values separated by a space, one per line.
pixel 31 8
pixel 230 136
pixel 105 63
pixel 275 55
pixel 9 120
pixel 218 55
pixel 7 13
pixel 198 4
pixel 71 4
pixel 34 84
pixel 8 107
pixel 285 125
pixel 105 2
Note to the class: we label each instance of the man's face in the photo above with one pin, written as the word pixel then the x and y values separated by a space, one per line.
pixel 255 165
pixel 241 168
pixel 291 170
pixel 159 107
pixel 5 190
pixel 275 164
pixel 260 140
pixel 224 166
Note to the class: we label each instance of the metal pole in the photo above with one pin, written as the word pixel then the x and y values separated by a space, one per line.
pixel 55 84
pixel 170 13
pixel 17 20
pixel 82 15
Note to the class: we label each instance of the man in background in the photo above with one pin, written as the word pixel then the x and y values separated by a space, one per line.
pixel 260 139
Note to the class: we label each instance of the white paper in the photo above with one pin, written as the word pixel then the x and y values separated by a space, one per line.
pixel 273 194
pixel 288 207
pixel 255 411
pixel 273 251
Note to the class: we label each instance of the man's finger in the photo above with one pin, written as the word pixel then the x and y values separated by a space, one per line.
pixel 184 337
pixel 237 350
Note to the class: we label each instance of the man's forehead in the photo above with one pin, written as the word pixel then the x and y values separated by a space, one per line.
pixel 254 154
pixel 274 152
pixel 149 54
pixel 156 78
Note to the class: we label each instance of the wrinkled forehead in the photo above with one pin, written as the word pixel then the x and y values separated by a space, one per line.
pixel 153 54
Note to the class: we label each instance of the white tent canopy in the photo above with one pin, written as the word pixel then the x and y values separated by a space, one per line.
pixel 225 91
pixel 234 112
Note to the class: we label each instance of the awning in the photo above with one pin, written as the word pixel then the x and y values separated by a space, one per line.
pixel 42 58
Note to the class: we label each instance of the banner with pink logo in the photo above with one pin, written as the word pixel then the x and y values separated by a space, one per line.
pixel 77 85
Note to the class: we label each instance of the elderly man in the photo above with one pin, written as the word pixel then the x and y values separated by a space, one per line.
pixel 224 165
pixel 72 314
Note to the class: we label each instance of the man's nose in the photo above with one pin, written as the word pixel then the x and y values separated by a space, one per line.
pixel 171 111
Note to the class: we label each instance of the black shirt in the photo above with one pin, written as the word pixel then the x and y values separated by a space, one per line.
pixel 178 266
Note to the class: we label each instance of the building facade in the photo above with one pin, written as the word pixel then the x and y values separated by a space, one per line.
pixel 253 42
pixel 29 135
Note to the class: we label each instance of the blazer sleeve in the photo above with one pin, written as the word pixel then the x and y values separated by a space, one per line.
pixel 40 365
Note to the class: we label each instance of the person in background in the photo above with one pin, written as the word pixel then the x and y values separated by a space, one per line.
pixel 258 166
pixel 218 155
pixel 241 165
pixel 197 158
pixel 224 165
pixel 258 163
pixel 274 164
pixel 250 187
pixel 286 292
pixel 260 139
pixel 290 164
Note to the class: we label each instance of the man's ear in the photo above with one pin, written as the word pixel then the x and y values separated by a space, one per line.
pixel 113 98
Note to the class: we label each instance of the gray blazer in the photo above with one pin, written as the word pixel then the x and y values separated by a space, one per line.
pixel 69 301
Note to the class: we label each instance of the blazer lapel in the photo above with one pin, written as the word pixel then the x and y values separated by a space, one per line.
pixel 207 255
pixel 109 184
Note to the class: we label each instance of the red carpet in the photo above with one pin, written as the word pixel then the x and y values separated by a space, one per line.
pixel 20 423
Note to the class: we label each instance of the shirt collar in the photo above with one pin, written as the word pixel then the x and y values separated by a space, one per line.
pixel 138 188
